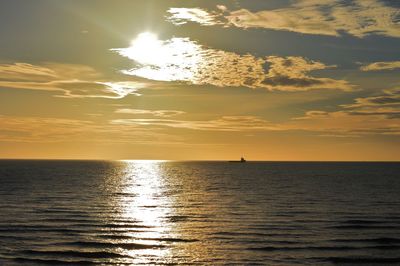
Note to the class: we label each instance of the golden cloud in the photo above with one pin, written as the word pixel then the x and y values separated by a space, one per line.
pixel 389 97
pixel 339 123
pixel 52 129
pixel 290 74
pixel 225 123
pixel 180 16
pixel 348 123
pixel 24 71
pixel 377 66
pixel 66 80
pixel 369 115
pixel 321 17
pixel 158 113
pixel 183 60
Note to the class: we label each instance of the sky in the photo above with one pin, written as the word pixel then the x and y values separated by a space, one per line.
pixel 200 80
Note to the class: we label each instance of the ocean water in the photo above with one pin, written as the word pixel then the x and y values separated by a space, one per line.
pixel 206 213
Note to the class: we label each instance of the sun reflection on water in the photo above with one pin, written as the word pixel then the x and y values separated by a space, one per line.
pixel 145 203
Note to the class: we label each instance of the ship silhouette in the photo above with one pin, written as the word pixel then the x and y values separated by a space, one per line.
pixel 242 160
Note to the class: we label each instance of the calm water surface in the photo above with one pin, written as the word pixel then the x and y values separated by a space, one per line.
pixel 147 212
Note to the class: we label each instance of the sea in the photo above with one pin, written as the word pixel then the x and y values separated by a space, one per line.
pixel 199 213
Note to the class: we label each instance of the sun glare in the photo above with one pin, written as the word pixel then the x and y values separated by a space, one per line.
pixel 184 60
pixel 173 59
pixel 146 48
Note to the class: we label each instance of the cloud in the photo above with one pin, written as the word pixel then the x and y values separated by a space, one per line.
pixel 349 123
pixel 389 97
pixel 368 115
pixel 24 71
pixel 323 17
pixel 37 129
pixel 388 112
pixel 158 113
pixel 225 123
pixel 381 66
pixel 66 80
pixel 183 60
pixel 342 123
pixel 53 130
pixel 180 16
pixel 290 74
pixel 123 88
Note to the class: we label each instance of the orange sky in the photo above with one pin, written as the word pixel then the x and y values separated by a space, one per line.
pixel 276 80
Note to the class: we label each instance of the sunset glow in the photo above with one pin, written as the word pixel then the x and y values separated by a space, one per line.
pixel 272 80
pixel 233 132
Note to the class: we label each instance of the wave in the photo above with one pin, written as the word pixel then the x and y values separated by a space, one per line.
pixel 178 218
pixel 171 239
pixel 34 229
pixel 119 237
pixel 361 260
pixel 365 227
pixel 74 254
pixel 380 240
pixel 52 261
pixel 91 244
pixel 67 220
pixel 322 248
pixel 359 221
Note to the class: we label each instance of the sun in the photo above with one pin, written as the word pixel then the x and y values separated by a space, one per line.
pixel 164 60
pixel 145 37
pixel 146 49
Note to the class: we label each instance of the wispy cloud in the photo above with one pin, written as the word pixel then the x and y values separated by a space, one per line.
pixel 378 115
pixel 381 121
pixel 389 97
pixel 180 59
pixel 225 123
pixel 349 123
pixel 180 16
pixel 157 113
pixel 369 115
pixel 66 80
pixel 53 129
pixel 40 129
pixel 323 17
pixel 24 71
pixel 381 66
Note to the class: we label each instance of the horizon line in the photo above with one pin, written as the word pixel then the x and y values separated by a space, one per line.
pixel 195 160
